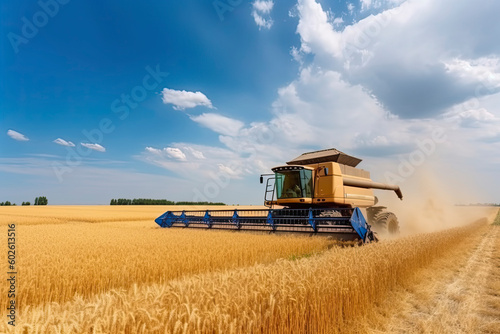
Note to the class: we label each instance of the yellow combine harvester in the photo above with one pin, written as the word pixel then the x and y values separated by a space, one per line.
pixel 319 192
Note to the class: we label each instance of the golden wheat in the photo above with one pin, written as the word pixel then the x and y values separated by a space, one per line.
pixel 58 261
pixel 116 276
pixel 32 215
pixel 325 293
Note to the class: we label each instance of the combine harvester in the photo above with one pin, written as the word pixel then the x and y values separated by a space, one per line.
pixel 319 192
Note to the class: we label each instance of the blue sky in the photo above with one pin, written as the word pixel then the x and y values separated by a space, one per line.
pixel 192 100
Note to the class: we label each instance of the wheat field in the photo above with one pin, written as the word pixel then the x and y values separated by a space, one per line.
pixel 115 271
pixel 61 260
pixel 34 215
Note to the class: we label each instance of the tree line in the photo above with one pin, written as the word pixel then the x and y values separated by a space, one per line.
pixel 42 200
pixel 149 201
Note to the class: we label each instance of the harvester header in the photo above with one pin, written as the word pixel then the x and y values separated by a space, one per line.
pixel 320 192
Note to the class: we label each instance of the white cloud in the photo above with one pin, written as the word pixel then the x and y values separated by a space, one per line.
pixel 414 61
pixel 17 136
pixel 478 115
pixel 484 70
pixel 96 184
pixel 196 162
pixel 375 89
pixel 369 5
pixel 338 21
pixel 297 55
pixel 168 152
pixel 182 99
pixel 473 118
pixel 261 13
pixel 196 154
pixel 315 31
pixel 63 142
pixel 153 150
pixel 317 110
pixel 218 123
pixel 95 147
pixel 175 153
pixel 366 4
pixel 350 8
pixel 264 7
pixel 227 170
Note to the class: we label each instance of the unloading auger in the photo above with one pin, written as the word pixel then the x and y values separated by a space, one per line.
pixel 319 192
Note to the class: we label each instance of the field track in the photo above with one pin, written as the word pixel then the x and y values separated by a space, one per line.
pixel 440 282
pixel 459 293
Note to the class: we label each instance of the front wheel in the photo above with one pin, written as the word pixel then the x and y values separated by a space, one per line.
pixel 386 222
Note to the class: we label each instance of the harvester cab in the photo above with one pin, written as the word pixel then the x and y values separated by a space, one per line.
pixel 319 192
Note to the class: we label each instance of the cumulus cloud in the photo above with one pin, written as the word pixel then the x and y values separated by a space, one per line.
pixel 318 108
pixel 197 162
pixel 227 170
pixel 63 142
pixel 95 147
pixel 153 150
pixel 410 57
pixel 315 31
pixel 338 21
pixel 175 153
pixel 366 4
pixel 264 7
pixel 195 153
pixel 473 118
pixel 376 87
pixel 17 136
pixel 168 152
pixel 218 123
pixel 261 13
pixel 181 99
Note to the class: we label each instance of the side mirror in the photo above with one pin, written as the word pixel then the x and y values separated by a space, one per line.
pixel 261 179
pixel 326 171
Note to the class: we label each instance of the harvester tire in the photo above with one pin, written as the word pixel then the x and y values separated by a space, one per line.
pixel 387 222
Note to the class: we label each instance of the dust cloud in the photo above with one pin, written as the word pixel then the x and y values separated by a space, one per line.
pixel 429 204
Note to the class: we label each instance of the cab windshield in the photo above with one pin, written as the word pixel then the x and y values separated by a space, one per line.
pixel 294 184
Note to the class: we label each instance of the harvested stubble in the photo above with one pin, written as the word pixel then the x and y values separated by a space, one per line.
pixel 497 219
pixel 454 294
pixel 326 293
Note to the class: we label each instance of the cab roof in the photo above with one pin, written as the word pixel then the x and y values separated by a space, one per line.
pixel 329 155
